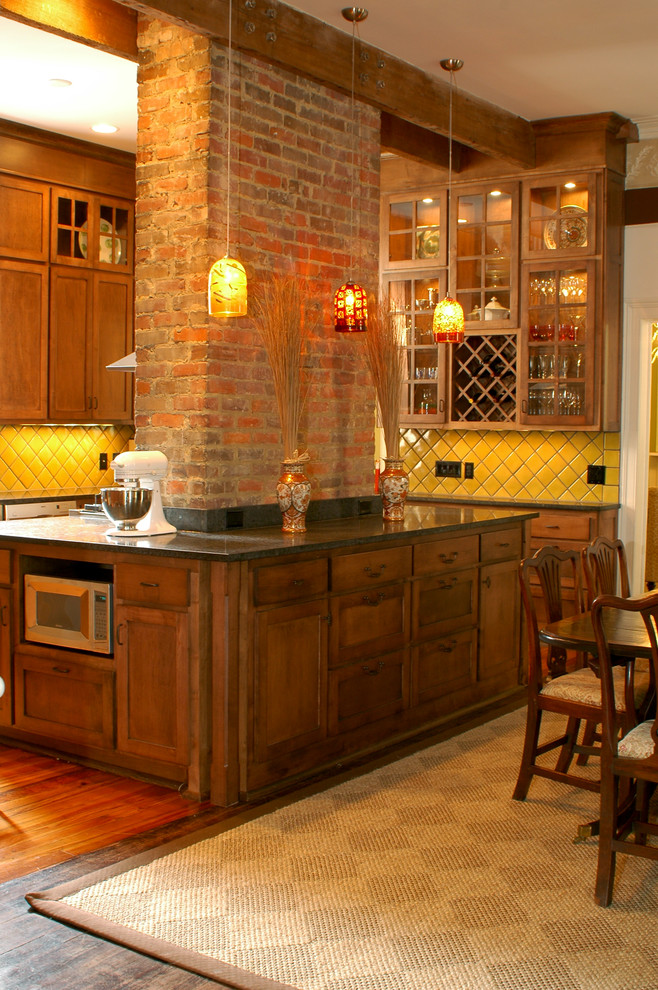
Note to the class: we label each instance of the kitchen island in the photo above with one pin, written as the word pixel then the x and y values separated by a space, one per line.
pixel 243 660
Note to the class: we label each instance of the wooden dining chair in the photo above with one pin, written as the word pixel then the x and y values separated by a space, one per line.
pixel 629 765
pixel 574 694
pixel 605 569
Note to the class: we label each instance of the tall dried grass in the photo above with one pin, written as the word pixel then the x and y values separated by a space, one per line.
pixel 386 351
pixel 285 323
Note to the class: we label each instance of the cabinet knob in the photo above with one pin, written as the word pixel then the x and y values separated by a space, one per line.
pixel 486 582
pixel 374 573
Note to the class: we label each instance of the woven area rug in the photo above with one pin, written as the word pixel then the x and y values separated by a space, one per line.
pixel 420 875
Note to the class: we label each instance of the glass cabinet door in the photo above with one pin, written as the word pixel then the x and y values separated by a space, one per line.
pixel 559 215
pixel 484 254
pixel 416 232
pixel 413 299
pixel 91 231
pixel 558 348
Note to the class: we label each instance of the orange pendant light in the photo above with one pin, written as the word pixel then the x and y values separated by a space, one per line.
pixel 350 305
pixel 448 321
pixel 227 278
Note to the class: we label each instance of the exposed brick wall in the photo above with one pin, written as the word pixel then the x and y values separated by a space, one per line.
pixel 203 386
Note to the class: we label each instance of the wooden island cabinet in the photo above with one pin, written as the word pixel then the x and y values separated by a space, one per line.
pixel 243 662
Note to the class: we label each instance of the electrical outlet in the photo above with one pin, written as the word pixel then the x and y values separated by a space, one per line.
pixel 595 474
pixel 102 462
pixel 448 469
pixel 468 469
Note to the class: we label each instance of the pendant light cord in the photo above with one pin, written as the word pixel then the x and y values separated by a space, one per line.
pixel 228 130
pixel 449 174
pixel 352 114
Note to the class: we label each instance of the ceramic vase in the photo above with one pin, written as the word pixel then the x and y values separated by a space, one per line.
pixel 293 492
pixel 393 486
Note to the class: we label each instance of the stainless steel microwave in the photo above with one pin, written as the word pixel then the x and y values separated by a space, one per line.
pixel 61 611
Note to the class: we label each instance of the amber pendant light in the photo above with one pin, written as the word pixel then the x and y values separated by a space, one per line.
pixel 227 279
pixel 350 304
pixel 448 321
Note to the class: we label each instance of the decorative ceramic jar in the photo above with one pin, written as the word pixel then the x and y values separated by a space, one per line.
pixel 293 492
pixel 393 486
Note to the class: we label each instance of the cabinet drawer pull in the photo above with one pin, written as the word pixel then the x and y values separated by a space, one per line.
pixel 374 574
pixel 62 670
pixel 444 648
pixel 3 616
pixel 380 598
pixel 448 558
pixel 502 544
pixel 372 671
pixel 297 582
pixel 553 526
pixel 447 585
pixel 118 638
pixel 149 584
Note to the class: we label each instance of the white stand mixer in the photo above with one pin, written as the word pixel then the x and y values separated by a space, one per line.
pixel 145 468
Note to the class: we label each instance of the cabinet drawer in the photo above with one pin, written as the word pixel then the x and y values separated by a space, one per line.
pixel 446 555
pixel 502 544
pixel 290 582
pixel 442 666
pixel 152 585
pixel 5 566
pixel 62 699
pixel 368 622
pixel 359 570
pixel 367 691
pixel 554 527
pixel 444 603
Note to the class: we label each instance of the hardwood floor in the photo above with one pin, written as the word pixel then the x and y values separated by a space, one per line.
pixel 64 821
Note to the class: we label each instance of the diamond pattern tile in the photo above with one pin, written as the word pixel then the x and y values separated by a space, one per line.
pixel 55 457
pixel 550 466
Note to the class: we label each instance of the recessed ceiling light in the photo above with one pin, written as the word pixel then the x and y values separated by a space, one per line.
pixel 104 128
pixel 569 185
pixel 59 83
pixel 428 199
pixel 495 192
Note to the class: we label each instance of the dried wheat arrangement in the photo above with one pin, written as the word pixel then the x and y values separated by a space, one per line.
pixel 385 347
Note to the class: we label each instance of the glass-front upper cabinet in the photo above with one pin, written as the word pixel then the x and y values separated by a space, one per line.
pixel 558 353
pixel 412 300
pixel 484 254
pixel 415 232
pixel 559 215
pixel 91 231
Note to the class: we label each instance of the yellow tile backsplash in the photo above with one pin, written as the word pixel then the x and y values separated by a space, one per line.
pixel 56 457
pixel 534 466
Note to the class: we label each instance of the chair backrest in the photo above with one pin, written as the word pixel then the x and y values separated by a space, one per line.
pixel 605 569
pixel 556 575
pixel 603 618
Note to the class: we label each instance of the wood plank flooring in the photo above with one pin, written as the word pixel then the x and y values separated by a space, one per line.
pixel 64 821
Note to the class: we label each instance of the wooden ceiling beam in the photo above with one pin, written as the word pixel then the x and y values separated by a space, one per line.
pixel 103 24
pixel 400 137
pixel 282 36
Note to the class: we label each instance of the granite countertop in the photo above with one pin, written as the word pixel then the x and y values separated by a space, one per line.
pixel 245 544
pixel 513 503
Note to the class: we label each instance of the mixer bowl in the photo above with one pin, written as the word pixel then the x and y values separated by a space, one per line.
pixel 126 506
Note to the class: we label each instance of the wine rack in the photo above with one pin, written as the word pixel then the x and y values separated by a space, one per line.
pixel 484 379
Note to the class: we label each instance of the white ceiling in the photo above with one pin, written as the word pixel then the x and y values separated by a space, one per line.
pixel 536 59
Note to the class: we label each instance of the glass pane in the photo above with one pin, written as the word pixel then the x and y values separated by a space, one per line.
pixel 400 216
pixel 575 194
pixel 543 202
pixel 64 211
pixel 542 288
pixel 573 287
pixel 427 291
pixel 469 274
pixel 424 333
pixel 428 243
pixel 499 206
pixel 469 240
pixel 471 304
pixel 428 213
pixel 425 400
pixel 498 239
pixel 400 247
pixel 470 209
pixel 496 307
pixel 399 295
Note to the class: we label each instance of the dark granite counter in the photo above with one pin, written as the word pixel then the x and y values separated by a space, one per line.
pixel 425 519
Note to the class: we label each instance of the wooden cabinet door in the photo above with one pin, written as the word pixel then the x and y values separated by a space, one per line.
pixel 24 215
pixel 368 690
pixel 500 624
pixel 152 657
pixel 442 666
pixel 24 342
pixel 5 656
pixel 290 678
pixel 62 697
pixel 70 317
pixel 112 338
pixel 369 622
